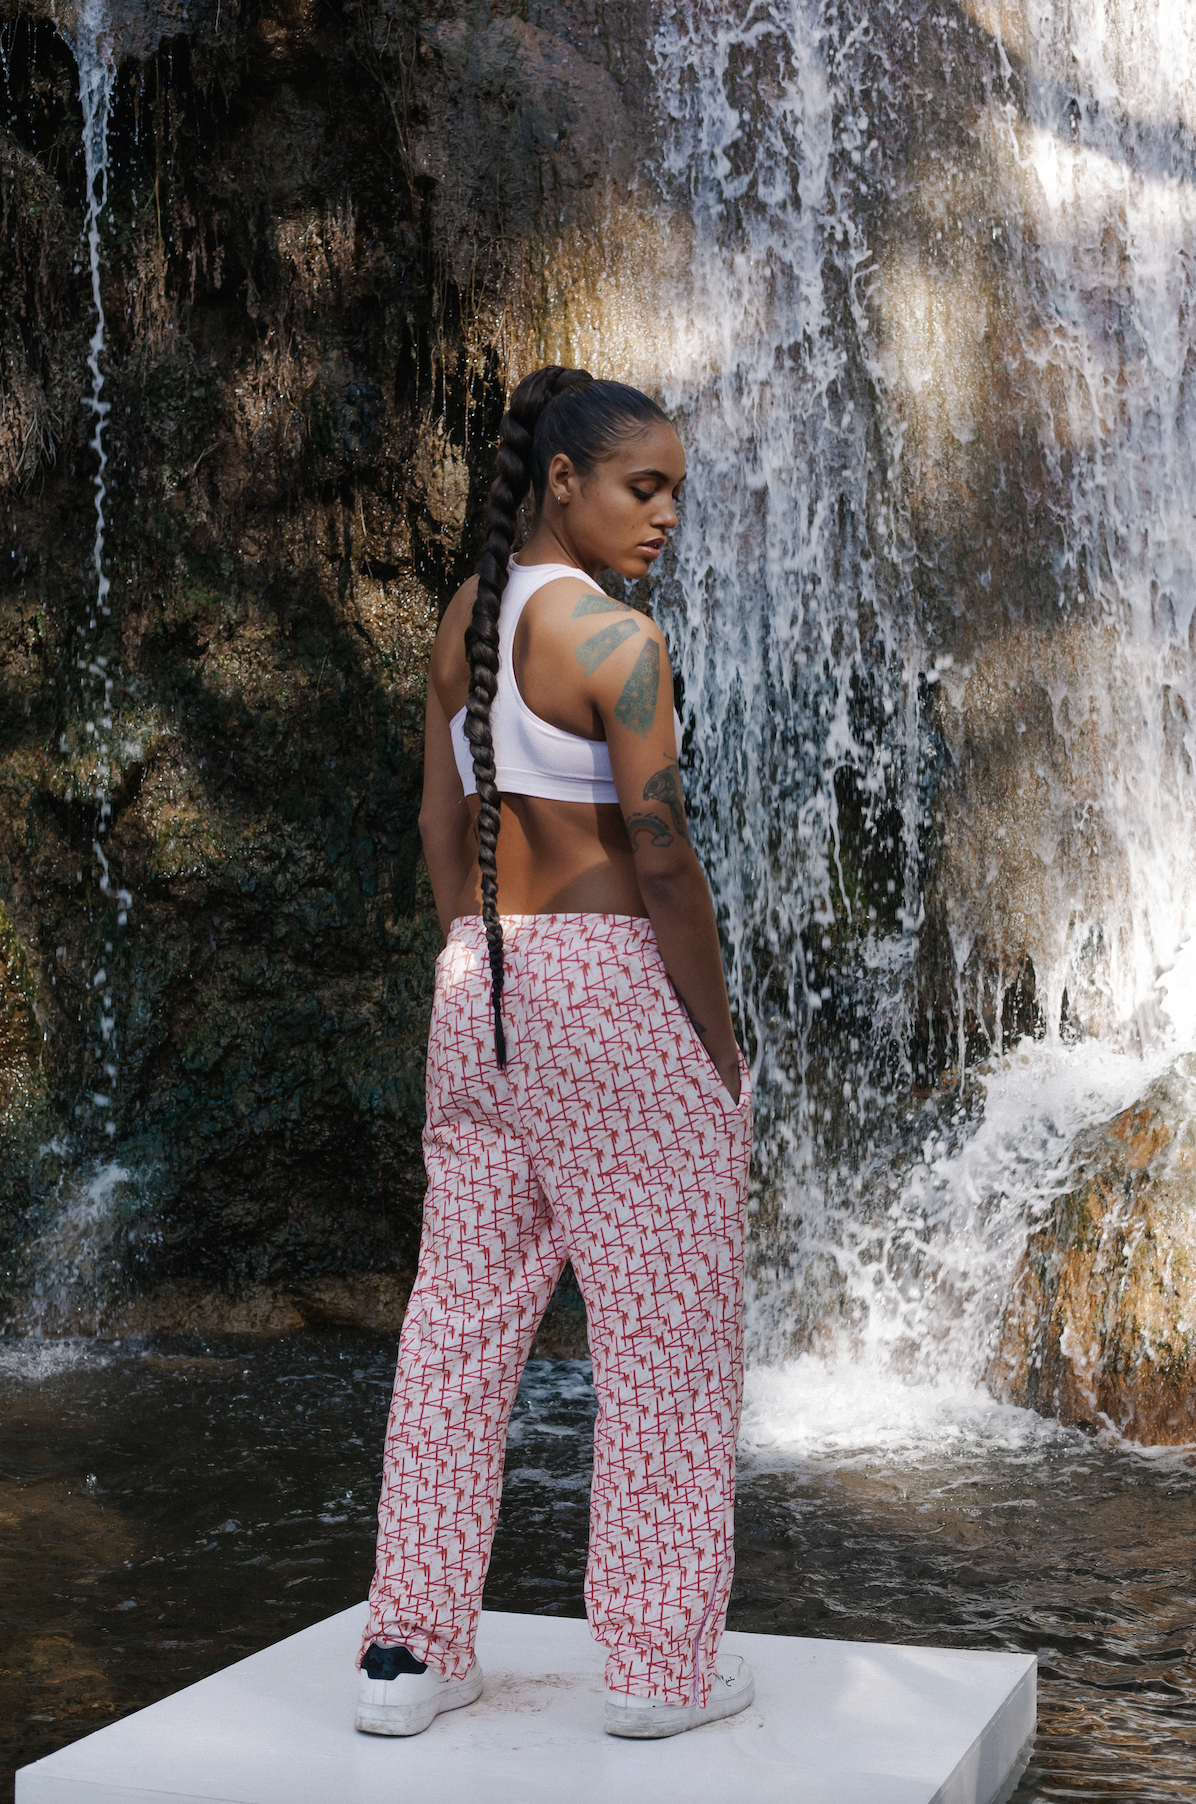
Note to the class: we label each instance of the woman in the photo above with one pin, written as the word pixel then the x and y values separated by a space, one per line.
pixel 587 1100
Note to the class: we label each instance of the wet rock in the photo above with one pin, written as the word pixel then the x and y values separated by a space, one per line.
pixel 1101 1325
pixel 211 1092
pixel 373 1301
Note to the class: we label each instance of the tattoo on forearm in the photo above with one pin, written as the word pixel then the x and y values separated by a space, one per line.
pixel 658 834
pixel 697 1025
pixel 595 651
pixel 636 707
pixel 665 786
pixel 599 604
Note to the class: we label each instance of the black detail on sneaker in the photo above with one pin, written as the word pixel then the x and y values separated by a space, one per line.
pixel 389 1662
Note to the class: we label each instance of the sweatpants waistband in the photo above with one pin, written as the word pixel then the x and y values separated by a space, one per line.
pixel 523 932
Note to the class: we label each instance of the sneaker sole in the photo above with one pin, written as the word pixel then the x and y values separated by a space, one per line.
pixel 399 1719
pixel 649 1725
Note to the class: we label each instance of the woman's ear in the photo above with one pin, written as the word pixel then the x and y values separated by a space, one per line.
pixel 562 479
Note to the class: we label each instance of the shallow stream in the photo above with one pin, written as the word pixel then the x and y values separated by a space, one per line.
pixel 170 1506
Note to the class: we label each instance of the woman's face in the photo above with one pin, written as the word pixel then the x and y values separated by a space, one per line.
pixel 619 515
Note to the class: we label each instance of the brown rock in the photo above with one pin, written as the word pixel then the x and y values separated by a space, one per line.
pixel 1101 1323
pixel 375 1301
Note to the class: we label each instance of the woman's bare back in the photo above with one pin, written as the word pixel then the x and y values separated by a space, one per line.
pixel 553 857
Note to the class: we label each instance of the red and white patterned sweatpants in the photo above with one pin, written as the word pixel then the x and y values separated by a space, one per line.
pixel 609 1141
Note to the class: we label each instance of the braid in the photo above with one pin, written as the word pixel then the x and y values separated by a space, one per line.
pixel 510 485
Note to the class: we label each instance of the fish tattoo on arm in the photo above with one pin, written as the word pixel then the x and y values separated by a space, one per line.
pixel 665 786
pixel 699 1027
pixel 651 829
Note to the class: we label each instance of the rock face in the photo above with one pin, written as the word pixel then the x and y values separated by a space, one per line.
pixel 1101 1326
pixel 216 938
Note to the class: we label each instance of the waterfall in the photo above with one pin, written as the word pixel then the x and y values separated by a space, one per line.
pixel 782 634
pixel 932 605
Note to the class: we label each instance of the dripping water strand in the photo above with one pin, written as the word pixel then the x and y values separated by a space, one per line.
pixel 74 1260
pixel 97 80
pixel 97 77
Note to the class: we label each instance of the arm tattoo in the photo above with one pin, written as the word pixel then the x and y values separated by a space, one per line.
pixel 592 652
pixel 697 1025
pixel 636 707
pixel 665 786
pixel 599 604
pixel 658 834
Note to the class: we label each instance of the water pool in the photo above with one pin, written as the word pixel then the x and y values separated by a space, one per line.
pixel 172 1505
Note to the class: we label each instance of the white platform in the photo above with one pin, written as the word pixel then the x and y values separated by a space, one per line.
pixel 835 1722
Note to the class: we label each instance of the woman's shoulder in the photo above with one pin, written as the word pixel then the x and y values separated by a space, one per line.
pixel 572 618
pixel 449 670
pixel 574 603
pixel 561 587
pixel 460 608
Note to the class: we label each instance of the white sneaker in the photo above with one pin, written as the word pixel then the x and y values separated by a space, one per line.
pixel 408 1704
pixel 733 1689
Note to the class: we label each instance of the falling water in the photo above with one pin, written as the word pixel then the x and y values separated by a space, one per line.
pixel 93 49
pixel 799 649
pixel 97 77
pixel 932 604
pixel 76 1257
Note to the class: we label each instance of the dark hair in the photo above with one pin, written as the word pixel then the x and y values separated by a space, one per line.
pixel 552 410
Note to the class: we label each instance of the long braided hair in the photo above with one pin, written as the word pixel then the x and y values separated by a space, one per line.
pixel 552 410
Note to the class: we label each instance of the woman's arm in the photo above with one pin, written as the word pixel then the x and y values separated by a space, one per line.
pixel 445 821
pixel 677 898
pixel 632 687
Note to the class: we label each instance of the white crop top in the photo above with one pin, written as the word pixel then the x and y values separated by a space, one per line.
pixel 532 758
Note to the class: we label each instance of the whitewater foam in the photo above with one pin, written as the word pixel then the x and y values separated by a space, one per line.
pixel 856 1414
pixel 34 1361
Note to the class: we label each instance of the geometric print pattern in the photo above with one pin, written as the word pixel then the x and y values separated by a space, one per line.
pixel 610 1141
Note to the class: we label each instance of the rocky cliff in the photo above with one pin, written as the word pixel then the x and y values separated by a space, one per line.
pixel 217 938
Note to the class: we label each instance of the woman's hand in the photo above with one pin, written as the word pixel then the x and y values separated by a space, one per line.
pixel 680 909
pixel 730 1077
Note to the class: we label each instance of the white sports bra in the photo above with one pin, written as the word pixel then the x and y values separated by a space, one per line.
pixel 532 758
